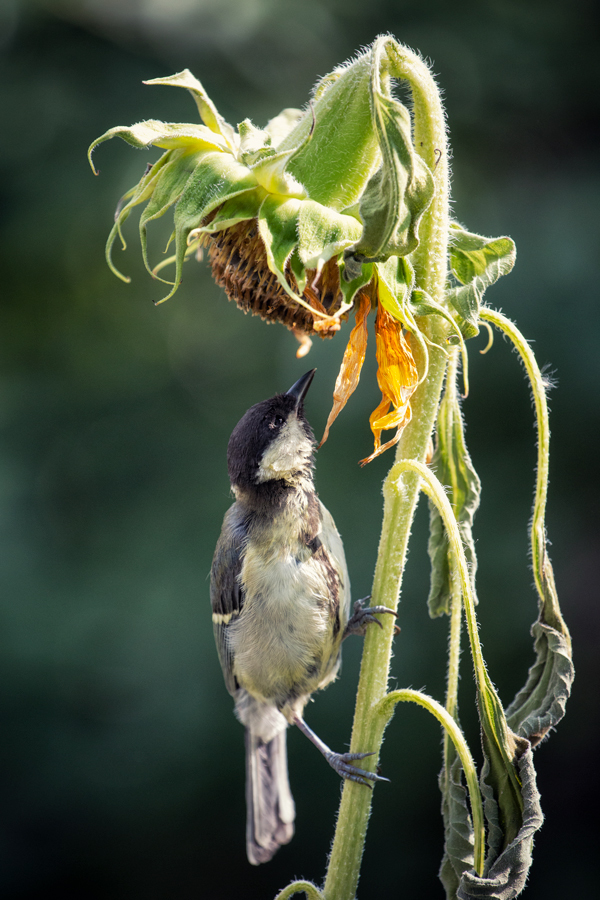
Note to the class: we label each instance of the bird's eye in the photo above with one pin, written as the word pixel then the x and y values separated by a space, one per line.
pixel 276 421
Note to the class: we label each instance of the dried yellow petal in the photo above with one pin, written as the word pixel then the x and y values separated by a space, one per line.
pixel 354 357
pixel 397 378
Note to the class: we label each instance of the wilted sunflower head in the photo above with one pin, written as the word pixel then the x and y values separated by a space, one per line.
pixel 304 219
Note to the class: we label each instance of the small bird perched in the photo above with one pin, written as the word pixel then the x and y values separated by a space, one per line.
pixel 280 597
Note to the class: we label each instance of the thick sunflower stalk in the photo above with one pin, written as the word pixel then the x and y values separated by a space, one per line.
pixel 343 207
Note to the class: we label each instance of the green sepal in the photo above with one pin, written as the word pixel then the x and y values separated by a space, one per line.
pixel 255 143
pixel 335 163
pixel 323 233
pixel 207 109
pixel 168 188
pixel 166 135
pixel 238 209
pixel 281 125
pixel 136 195
pixel 396 279
pixel 350 289
pixel 216 178
pixel 453 466
pixel 394 198
pixel 476 262
pixel 298 270
pixel 277 226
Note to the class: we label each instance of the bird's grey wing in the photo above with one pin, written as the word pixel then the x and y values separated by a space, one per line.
pixel 332 544
pixel 226 592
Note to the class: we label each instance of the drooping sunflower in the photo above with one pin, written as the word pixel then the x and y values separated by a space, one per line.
pixel 303 220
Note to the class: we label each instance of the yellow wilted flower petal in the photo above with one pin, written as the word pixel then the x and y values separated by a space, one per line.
pixel 397 378
pixel 352 363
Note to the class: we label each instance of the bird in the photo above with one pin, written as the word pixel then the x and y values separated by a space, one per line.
pixel 281 603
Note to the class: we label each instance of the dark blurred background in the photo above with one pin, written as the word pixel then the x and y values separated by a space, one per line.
pixel 121 763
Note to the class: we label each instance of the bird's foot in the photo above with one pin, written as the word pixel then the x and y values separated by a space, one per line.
pixel 363 616
pixel 342 764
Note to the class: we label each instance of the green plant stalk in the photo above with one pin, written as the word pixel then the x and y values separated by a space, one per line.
pixel 542 569
pixel 456 601
pixel 310 890
pixel 490 707
pixel 430 263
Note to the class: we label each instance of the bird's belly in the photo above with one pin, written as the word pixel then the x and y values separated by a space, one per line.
pixel 282 644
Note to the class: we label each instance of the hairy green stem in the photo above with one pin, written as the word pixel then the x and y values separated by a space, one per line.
pixel 311 891
pixel 542 569
pixel 430 264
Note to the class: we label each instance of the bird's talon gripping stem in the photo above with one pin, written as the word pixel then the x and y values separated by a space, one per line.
pixel 364 616
pixel 341 762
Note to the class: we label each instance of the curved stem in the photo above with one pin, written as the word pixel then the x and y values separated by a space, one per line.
pixel 542 570
pixel 435 490
pixel 430 263
pixel 385 708
pixel 492 715
pixel 456 603
pixel 311 891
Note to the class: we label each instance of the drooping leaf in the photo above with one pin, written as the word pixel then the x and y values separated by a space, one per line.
pixel 476 262
pixel 540 705
pixel 454 468
pixel 500 749
pixel 507 866
pixel 458 827
pixel 238 209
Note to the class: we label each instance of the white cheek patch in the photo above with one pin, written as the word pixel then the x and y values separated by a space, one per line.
pixel 288 453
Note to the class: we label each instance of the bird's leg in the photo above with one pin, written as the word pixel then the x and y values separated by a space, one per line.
pixel 341 762
pixel 363 616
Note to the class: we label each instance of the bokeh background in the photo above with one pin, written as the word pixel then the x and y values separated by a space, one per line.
pixel 121 763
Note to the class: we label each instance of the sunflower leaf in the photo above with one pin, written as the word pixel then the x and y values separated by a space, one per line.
pixel 508 863
pixel 476 262
pixel 458 827
pixel 452 465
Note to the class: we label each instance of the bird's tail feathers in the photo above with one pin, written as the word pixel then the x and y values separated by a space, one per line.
pixel 269 802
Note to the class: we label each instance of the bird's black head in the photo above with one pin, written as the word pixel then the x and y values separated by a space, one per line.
pixel 272 442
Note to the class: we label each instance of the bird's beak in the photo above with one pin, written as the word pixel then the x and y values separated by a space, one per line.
pixel 298 390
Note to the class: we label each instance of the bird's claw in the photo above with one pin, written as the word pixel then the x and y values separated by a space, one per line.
pixel 342 763
pixel 364 616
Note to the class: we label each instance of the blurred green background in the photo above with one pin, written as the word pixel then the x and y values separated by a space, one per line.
pixel 121 762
